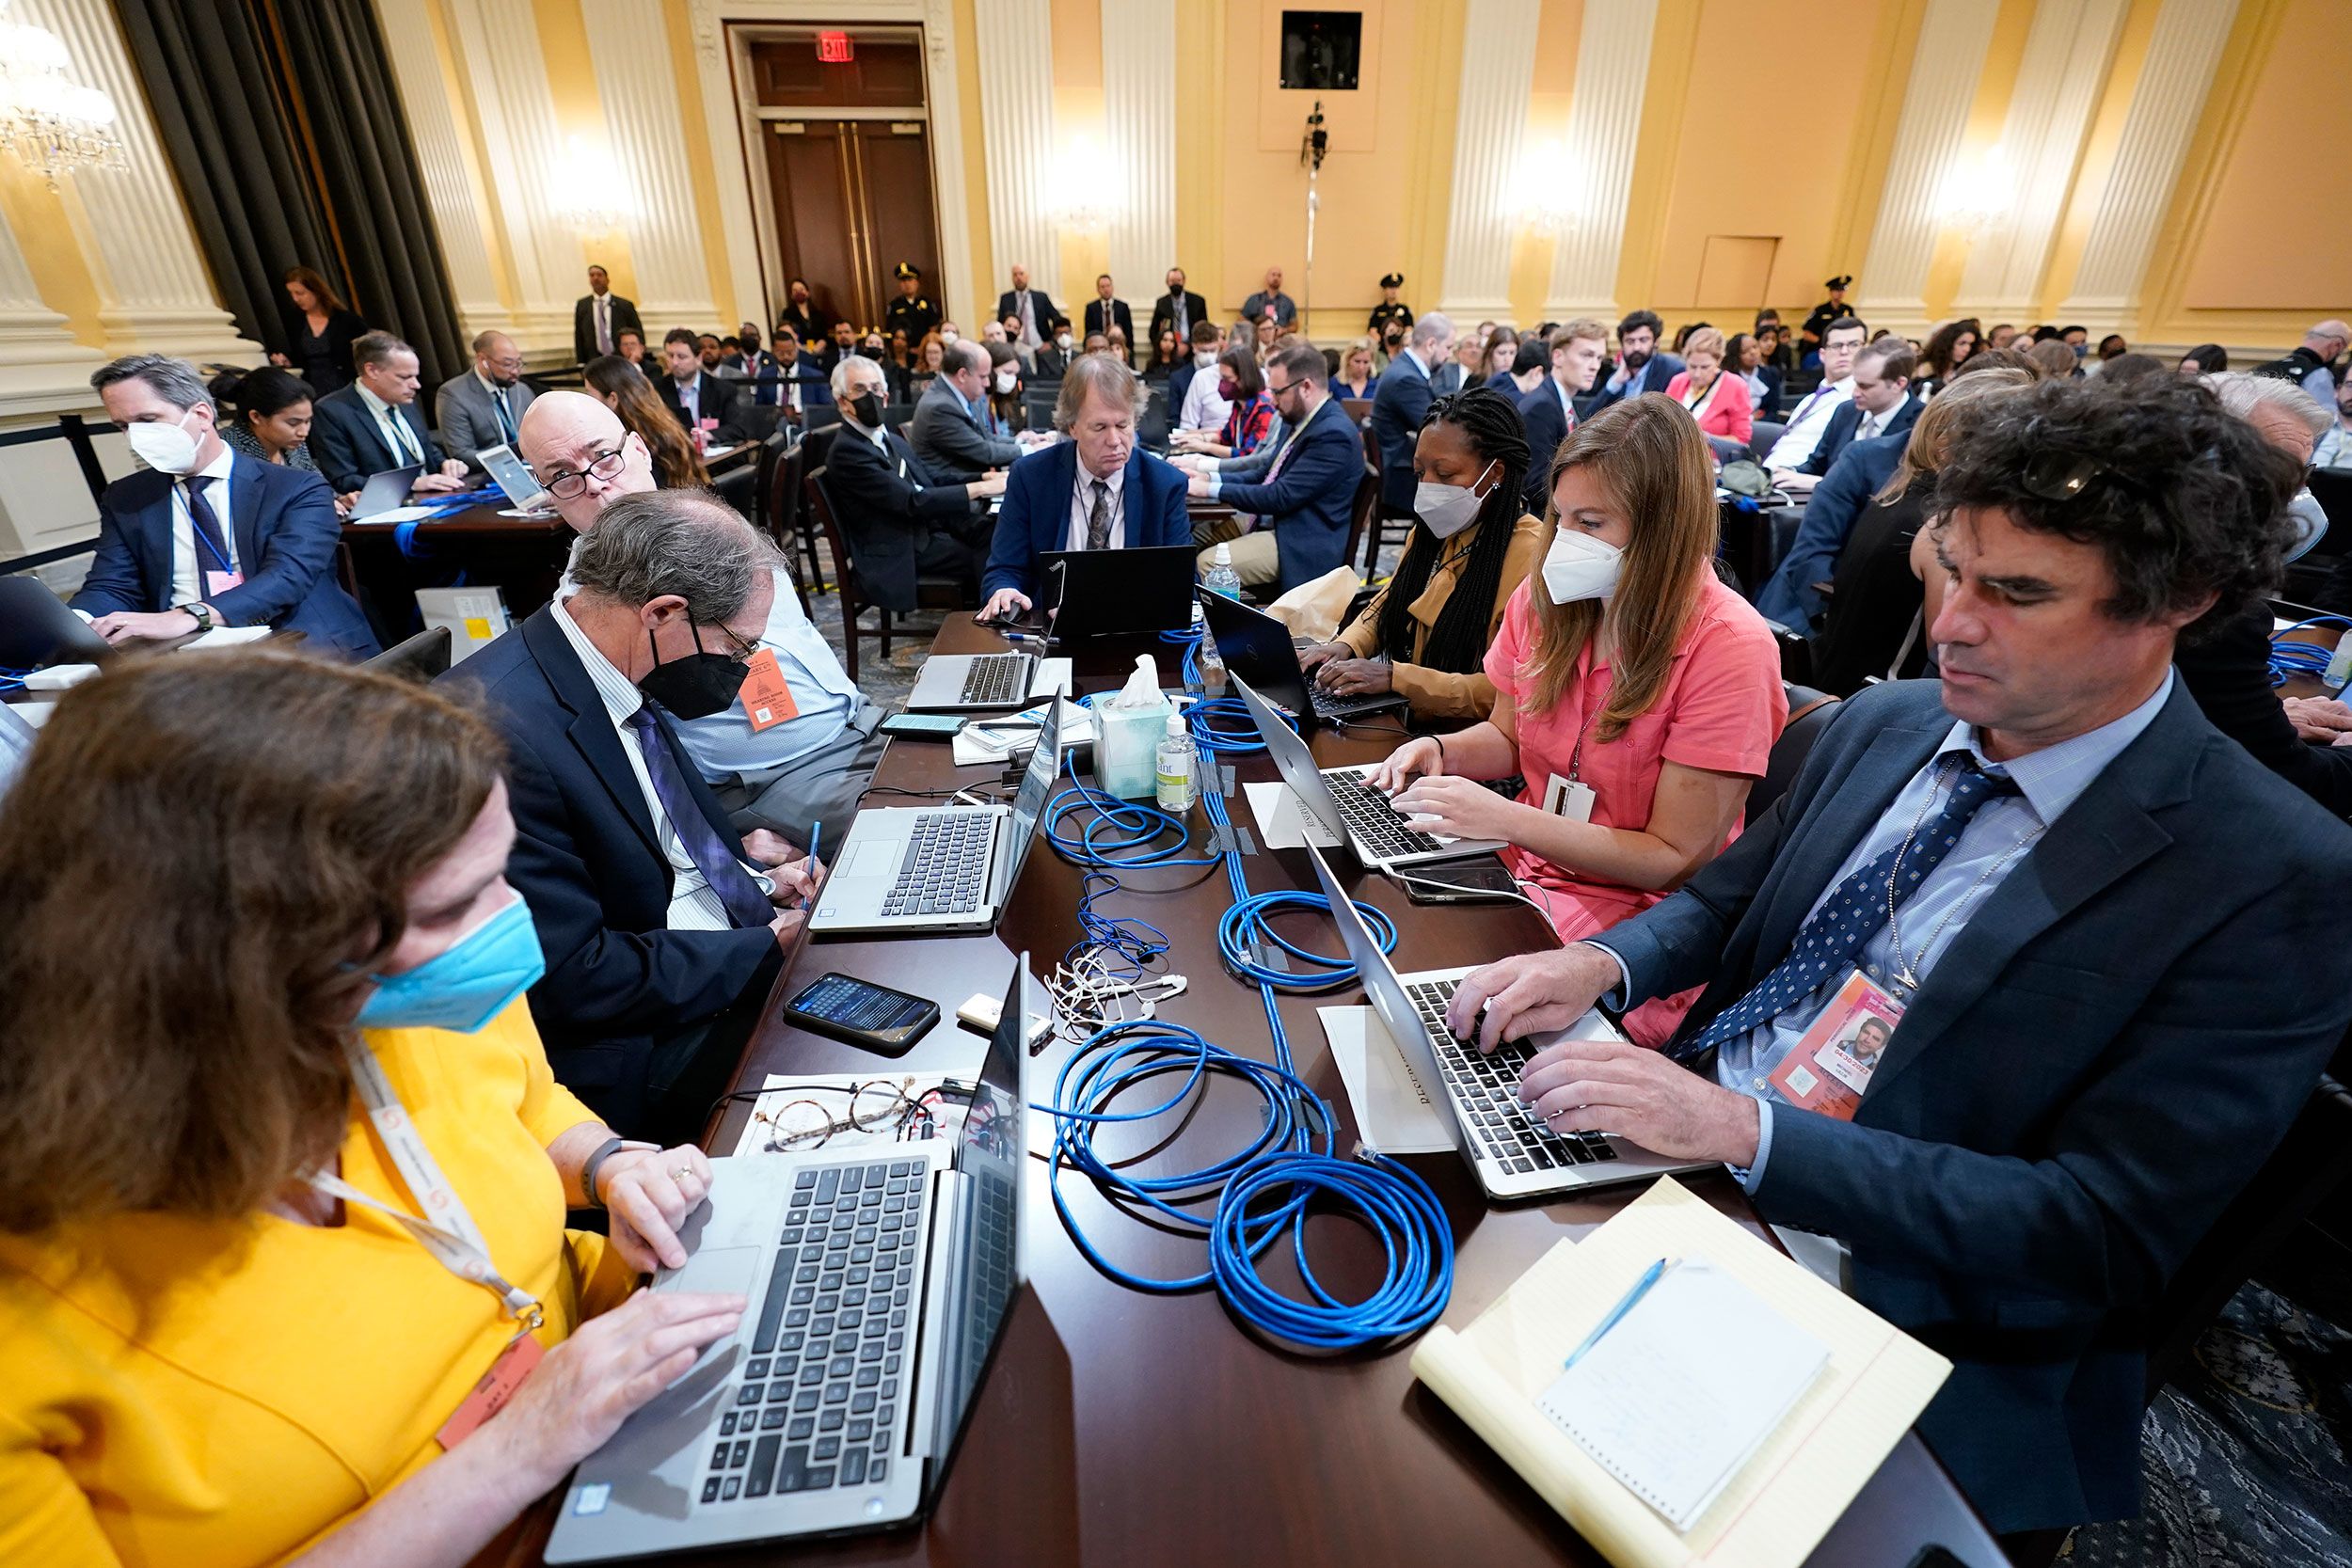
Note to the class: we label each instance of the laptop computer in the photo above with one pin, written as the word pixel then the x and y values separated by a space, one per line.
pixel 1257 647
pixel 880 1279
pixel 1346 809
pixel 938 868
pixel 513 476
pixel 38 630
pixel 1142 588
pixel 385 492
pixel 974 683
pixel 1513 1152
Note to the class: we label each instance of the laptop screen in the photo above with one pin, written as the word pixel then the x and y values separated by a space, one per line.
pixel 1036 786
pixel 1292 761
pixel 512 474
pixel 1258 648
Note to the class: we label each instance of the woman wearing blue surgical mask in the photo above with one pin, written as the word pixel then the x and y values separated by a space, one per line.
pixel 1636 694
pixel 283 1172
pixel 1425 634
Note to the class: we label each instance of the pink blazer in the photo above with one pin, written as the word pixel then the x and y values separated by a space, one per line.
pixel 1729 410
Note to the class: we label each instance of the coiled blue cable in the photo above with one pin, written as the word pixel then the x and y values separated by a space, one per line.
pixel 1395 1203
pixel 2289 659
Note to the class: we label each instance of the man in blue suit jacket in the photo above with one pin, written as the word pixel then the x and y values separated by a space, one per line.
pixel 1051 496
pixel 205 537
pixel 374 424
pixel 1882 401
pixel 1310 492
pixel 1641 366
pixel 1790 595
pixel 1399 404
pixel 2094 1052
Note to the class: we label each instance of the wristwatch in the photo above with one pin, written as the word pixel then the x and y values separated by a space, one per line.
pixel 200 613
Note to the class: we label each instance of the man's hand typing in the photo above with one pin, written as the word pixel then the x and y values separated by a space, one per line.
pixel 1636 1093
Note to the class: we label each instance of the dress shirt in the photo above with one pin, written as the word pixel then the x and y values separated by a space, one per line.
pixel 1868 428
pixel 190 561
pixel 1082 506
pixel 502 406
pixel 398 438
pixel 694 905
pixel 1204 408
pixel 1807 425
pixel 690 398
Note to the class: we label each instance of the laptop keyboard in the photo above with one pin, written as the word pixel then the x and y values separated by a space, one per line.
pixel 1374 822
pixel 946 868
pixel 822 1390
pixel 997 680
pixel 1487 1091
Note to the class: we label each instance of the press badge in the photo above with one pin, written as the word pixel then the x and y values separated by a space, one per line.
pixel 1571 798
pixel 518 1361
pixel 220 582
pixel 1833 1061
pixel 767 696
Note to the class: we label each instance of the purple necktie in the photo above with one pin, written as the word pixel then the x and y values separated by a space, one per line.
pixel 746 905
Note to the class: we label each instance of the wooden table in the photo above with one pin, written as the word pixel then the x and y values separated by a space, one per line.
pixel 1122 1429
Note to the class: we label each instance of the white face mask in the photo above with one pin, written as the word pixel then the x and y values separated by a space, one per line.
pixel 948 337
pixel 1005 379
pixel 1204 357
pixel 1579 566
pixel 167 449
pixel 1062 342
pixel 1446 510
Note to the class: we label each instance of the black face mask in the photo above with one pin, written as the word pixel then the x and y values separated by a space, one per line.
pixel 868 407
pixel 695 686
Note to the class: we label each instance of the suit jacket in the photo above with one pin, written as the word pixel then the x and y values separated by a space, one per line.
pixel 2096 1066
pixel 468 423
pixel 1656 371
pixel 716 397
pixel 771 378
pixel 1309 503
pixel 1788 597
pixel 1546 427
pixel 1036 513
pixel 624 313
pixel 1041 306
pixel 1121 317
pixel 1164 314
pixel 1845 422
pixel 283 522
pixel 587 862
pixel 951 445
pixel 349 445
pixel 2228 672
pixel 1398 406
pixel 886 507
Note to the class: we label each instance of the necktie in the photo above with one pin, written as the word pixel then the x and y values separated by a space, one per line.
pixel 397 437
pixel 1869 427
pixel 1806 406
pixel 1099 518
pixel 1855 908
pixel 506 414
pixel 746 905
pixel 1184 327
pixel 604 324
pixel 211 542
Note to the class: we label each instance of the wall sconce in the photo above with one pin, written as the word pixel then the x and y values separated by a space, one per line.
pixel 1551 190
pixel 1978 189
pixel 587 192
pixel 1088 194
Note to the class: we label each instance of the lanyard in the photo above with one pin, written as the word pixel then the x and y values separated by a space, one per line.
pixel 188 498
pixel 1905 973
pixel 455 1241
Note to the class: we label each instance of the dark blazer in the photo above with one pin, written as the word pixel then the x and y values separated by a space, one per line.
pixel 349 445
pixel 886 507
pixel 1843 423
pixel 715 396
pixel 1307 504
pixel 1656 371
pixel 1040 304
pixel 1399 403
pixel 587 863
pixel 2098 1064
pixel 951 446
pixel 1547 425
pixel 282 521
pixel 813 324
pixel 767 384
pixel 584 324
pixel 1036 513
pixel 1178 382
pixel 1164 314
pixel 2228 672
pixel 324 362
pixel 1788 595
pixel 1121 317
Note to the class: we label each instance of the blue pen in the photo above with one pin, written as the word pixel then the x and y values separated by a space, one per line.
pixel 1616 1314
pixel 816 831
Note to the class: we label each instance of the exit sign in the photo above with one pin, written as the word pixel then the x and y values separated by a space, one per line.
pixel 834 48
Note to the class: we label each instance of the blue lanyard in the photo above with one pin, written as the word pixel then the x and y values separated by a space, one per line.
pixel 202 537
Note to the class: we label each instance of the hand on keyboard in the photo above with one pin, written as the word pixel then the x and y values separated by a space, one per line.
pixel 1636 1093
pixel 1530 994
pixel 1355 677
pixel 647 1194
pixel 590 1384
pixel 1457 808
pixel 1410 761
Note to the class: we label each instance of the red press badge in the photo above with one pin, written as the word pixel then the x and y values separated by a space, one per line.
pixel 767 697
pixel 1833 1061
pixel 516 1362
pixel 220 582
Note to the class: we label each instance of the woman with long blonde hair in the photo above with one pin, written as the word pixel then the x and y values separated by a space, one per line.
pixel 625 390
pixel 1636 694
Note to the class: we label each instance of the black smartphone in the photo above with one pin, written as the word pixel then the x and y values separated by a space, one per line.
pixel 923 726
pixel 1482 880
pixel 861 1012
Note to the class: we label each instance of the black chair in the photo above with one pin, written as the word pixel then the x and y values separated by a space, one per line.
pixel 1377 532
pixel 1151 429
pixel 819 416
pixel 930 589
pixel 778 508
pixel 758 419
pixel 1809 714
pixel 423 658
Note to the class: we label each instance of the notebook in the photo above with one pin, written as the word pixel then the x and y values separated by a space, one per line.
pixel 1781 1487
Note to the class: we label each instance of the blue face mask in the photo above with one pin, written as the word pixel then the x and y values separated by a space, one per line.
pixel 468 984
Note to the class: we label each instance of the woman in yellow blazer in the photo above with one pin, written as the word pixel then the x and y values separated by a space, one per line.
pixel 260 1009
pixel 1425 634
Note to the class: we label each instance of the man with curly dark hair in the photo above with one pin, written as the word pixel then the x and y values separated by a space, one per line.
pixel 2066 890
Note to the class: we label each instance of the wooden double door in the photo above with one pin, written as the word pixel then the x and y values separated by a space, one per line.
pixel 853 198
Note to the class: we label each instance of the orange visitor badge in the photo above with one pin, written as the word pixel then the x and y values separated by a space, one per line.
pixel 767 697
pixel 489 1396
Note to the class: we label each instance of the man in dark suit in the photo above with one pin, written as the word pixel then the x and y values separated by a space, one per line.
pixel 1791 597
pixel 1180 308
pixel 2076 894
pixel 799 377
pixel 1578 347
pixel 1641 366
pixel 374 424
pixel 202 537
pixel 1401 401
pixel 900 522
pixel 1882 405
pixel 953 431
pixel 1031 307
pixel 662 929
pixel 1306 502
pixel 1096 491
pixel 598 317
pixel 696 395
pixel 484 406
pixel 1104 311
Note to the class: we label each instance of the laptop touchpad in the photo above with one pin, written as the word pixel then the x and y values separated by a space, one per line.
pixel 874 857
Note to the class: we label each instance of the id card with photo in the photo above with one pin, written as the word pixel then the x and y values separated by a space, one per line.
pixel 1833 1060
pixel 1569 798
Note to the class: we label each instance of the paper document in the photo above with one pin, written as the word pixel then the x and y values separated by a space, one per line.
pixel 400 514
pixel 1012 736
pixel 1393 1113
pixel 224 637
pixel 35 714
pixel 1282 823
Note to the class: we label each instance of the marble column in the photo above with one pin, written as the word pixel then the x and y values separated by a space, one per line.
pixel 1944 69
pixel 451 184
pixel 630 45
pixel 1139 106
pixel 1017 122
pixel 1594 169
pixel 1490 124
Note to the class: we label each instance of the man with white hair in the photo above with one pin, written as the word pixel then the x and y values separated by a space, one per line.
pixel 800 746
pixel 1401 401
pixel 2309 365
pixel 900 520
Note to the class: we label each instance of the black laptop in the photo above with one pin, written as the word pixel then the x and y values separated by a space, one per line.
pixel 1258 648
pixel 1143 588
pixel 37 629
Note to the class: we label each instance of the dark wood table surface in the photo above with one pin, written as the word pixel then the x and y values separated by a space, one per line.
pixel 1121 1428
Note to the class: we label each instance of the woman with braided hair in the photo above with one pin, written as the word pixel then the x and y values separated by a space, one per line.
pixel 1424 635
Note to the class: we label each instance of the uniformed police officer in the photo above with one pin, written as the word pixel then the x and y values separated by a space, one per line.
pixel 1809 335
pixel 911 312
pixel 1391 308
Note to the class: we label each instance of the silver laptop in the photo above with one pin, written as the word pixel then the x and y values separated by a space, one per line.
pixel 514 477
pixel 972 683
pixel 386 492
pixel 879 1279
pixel 938 868
pixel 1348 810
pixel 1514 1153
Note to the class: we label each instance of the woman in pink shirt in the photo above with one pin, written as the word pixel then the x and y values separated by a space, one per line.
pixel 1638 695
pixel 1720 403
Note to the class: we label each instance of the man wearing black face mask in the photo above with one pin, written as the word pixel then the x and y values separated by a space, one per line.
pixel 900 522
pixel 663 931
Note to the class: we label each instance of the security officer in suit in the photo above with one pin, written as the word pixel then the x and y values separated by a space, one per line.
pixel 911 312
pixel 1809 335
pixel 1391 308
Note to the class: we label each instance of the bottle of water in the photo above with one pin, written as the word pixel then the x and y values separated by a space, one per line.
pixel 1211 665
pixel 1178 781
pixel 1221 578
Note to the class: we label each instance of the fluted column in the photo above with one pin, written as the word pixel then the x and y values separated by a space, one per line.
pixel 155 293
pixel 1139 106
pixel 2183 51
pixel 1498 68
pixel 42 368
pixel 630 46
pixel 2068 53
pixel 1596 165
pixel 1945 68
pixel 497 46
pixel 1017 121
pixel 452 185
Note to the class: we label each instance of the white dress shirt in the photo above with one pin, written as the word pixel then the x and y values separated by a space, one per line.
pixel 1204 408
pixel 1808 424
pixel 398 438
pixel 690 398
pixel 190 561
pixel 1082 506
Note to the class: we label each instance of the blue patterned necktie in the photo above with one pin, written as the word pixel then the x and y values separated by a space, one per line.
pixel 746 905
pixel 1856 907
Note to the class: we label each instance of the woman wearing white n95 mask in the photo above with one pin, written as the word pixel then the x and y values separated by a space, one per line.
pixel 1424 635
pixel 1637 695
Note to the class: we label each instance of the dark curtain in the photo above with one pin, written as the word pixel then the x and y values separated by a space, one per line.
pixel 284 128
